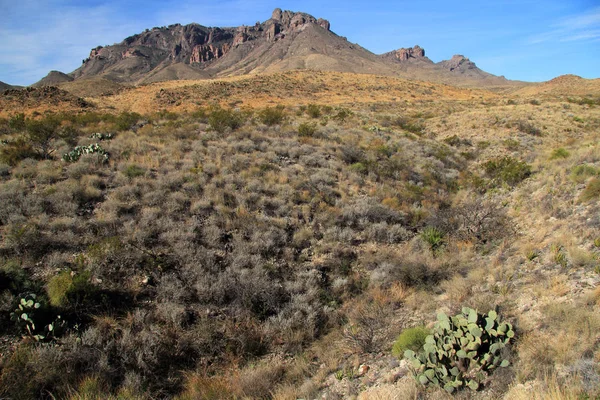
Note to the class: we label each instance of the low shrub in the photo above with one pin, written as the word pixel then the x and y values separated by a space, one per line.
pixel 507 170
pixel 16 150
pixel 529 128
pixel 272 115
pixel 133 171
pixel 410 339
pixel 592 190
pixel 559 153
pixel 307 129
pixel 220 119
pixel 313 111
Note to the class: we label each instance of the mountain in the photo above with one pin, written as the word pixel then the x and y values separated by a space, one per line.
pixel 53 78
pixel 287 41
pixel 4 86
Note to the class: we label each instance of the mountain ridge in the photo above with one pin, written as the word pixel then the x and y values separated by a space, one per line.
pixel 287 41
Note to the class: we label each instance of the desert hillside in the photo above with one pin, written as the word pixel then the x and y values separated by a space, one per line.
pixel 289 235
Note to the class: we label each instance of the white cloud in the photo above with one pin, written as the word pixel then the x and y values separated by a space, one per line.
pixel 575 28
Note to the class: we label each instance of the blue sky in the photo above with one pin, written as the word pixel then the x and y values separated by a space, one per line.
pixel 520 39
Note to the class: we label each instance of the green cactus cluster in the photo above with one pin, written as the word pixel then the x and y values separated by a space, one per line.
pixel 29 311
pixel 102 136
pixel 78 151
pixel 462 351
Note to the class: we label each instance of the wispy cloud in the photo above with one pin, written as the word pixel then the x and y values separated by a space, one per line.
pixel 575 28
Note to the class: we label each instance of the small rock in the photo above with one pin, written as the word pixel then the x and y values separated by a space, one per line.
pixel 363 369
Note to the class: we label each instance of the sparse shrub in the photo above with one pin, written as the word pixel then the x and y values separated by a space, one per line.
pixel 582 172
pixel 272 115
pixel 463 350
pixel 410 339
pixel 529 128
pixel 534 102
pixel 591 191
pixel 307 129
pixel 507 170
pixel 559 153
pixel 342 114
pixel 220 119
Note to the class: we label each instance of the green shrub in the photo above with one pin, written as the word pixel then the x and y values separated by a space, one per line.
pixel 559 153
pixel 133 171
pixel 581 173
pixel 313 110
pixel 307 129
pixel 507 170
pixel 592 190
pixel 41 133
pixel 220 119
pixel 67 289
pixel 410 339
pixel 14 151
pixel 462 351
pixel 272 115
pixel 359 168
pixel 126 120
pixel 433 237
pixel 17 122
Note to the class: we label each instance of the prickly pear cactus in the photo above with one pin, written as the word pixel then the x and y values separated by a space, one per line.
pixel 462 351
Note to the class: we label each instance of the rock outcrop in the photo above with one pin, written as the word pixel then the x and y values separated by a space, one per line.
pixel 406 54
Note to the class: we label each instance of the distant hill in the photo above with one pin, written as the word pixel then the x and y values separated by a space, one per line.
pixel 5 86
pixel 52 79
pixel 287 41
pixel 572 85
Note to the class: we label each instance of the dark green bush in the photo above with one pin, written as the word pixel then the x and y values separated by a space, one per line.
pixel 272 115
pixel 220 119
pixel 16 150
pixel 307 129
pixel 126 120
pixel 17 122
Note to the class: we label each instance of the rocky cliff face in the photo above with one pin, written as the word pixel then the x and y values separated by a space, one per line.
pixel 192 44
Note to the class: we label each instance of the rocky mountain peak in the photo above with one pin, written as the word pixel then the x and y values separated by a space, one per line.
pixel 458 62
